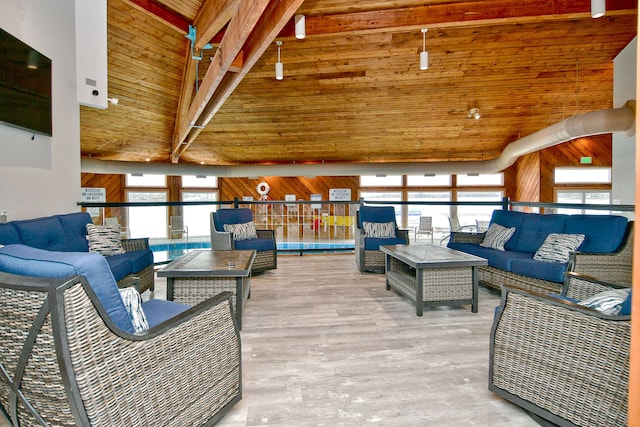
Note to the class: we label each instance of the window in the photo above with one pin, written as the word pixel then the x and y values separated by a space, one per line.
pixel 491 179
pixel 428 181
pixel 595 197
pixel 586 175
pixel 196 217
pixel 199 181
pixel 468 215
pixel 439 213
pixel 381 181
pixel 146 180
pixel 147 221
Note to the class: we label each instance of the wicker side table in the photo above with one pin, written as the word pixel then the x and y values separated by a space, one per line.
pixel 202 274
pixel 433 275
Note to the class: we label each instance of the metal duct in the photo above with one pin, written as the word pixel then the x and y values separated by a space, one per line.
pixel 594 123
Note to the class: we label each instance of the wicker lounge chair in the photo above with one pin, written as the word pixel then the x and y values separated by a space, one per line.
pixel 368 255
pixel 64 362
pixel 563 362
pixel 264 245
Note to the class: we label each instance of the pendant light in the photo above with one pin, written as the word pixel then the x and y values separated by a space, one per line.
pixel 598 8
pixel 424 55
pixel 279 67
pixel 299 21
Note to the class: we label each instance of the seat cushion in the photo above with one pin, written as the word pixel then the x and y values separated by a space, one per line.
pixel 495 258
pixel 231 216
pixel 551 271
pixel 376 214
pixel 256 244
pixel 43 233
pixel 75 228
pixel 119 265
pixel 536 228
pixel 29 261
pixel 9 234
pixel 157 311
pixel 373 244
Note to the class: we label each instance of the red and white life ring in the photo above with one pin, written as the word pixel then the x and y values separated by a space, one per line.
pixel 263 188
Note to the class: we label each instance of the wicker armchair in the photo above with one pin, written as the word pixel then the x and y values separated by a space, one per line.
pixel 368 255
pixel 565 363
pixel 265 245
pixel 65 363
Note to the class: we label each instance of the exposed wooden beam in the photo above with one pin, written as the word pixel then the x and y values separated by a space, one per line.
pixel 273 20
pixel 186 95
pixel 162 14
pixel 211 18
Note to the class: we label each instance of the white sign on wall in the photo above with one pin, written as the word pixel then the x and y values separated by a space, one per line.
pixel 93 195
pixel 316 198
pixel 340 194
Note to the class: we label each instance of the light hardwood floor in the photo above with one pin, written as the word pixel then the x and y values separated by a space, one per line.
pixel 325 345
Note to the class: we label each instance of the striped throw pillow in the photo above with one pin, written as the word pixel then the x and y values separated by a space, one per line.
pixel 104 239
pixel 379 229
pixel 244 231
pixel 133 303
pixel 497 236
pixel 558 247
pixel 608 302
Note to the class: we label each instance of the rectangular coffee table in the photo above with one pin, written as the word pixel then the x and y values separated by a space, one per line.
pixel 433 275
pixel 201 274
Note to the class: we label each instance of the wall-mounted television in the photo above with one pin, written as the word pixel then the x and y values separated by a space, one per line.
pixel 25 86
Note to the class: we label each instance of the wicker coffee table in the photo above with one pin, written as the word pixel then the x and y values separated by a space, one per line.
pixel 433 275
pixel 201 274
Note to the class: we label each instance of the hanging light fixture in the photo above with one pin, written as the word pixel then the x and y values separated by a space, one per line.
pixel 301 31
pixel 279 67
pixel 424 55
pixel 474 112
pixel 598 8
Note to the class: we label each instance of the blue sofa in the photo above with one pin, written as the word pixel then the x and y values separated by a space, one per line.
pixel 68 233
pixel 605 253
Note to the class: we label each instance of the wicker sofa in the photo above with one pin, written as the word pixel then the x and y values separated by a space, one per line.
pixel 68 233
pixel 563 362
pixel 69 358
pixel 605 253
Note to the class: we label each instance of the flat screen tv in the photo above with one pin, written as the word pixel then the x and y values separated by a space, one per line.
pixel 25 86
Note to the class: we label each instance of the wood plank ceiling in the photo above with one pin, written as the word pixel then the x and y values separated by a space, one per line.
pixel 352 89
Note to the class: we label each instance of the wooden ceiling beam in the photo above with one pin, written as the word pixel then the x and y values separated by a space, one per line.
pixel 273 20
pixel 162 14
pixel 212 18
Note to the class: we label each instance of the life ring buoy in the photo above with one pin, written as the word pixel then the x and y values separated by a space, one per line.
pixel 263 188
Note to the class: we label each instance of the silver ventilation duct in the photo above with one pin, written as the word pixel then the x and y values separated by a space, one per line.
pixel 594 123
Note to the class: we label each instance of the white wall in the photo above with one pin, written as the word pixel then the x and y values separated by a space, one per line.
pixel 42 176
pixel 624 88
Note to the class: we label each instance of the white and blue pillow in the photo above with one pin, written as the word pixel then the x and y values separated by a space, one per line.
pixel 104 239
pixel 497 236
pixel 558 247
pixel 133 303
pixel 243 231
pixel 379 229
pixel 615 302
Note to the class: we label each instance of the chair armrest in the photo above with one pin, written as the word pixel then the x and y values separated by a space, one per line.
pixel 464 237
pixel 130 245
pixel 222 240
pixel 580 286
pixel 403 233
pixel 266 234
pixel 193 357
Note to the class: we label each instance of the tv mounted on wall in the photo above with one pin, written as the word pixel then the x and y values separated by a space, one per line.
pixel 25 86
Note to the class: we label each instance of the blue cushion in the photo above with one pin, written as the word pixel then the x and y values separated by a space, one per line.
pixel 495 258
pixel 257 244
pixel 43 233
pixel 75 228
pixel 374 243
pixel 9 234
pixel 603 233
pixel 157 311
pixel 140 259
pixel 536 228
pixel 376 214
pixel 29 261
pixel 509 219
pixel 119 265
pixel 232 216
pixel 551 271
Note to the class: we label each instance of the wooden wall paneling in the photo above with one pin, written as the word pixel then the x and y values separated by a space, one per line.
pixel 528 178
pixel 114 186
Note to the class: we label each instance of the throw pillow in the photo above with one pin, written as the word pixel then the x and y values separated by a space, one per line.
pixel 558 247
pixel 608 302
pixel 497 236
pixel 133 303
pixel 379 229
pixel 242 231
pixel 104 239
